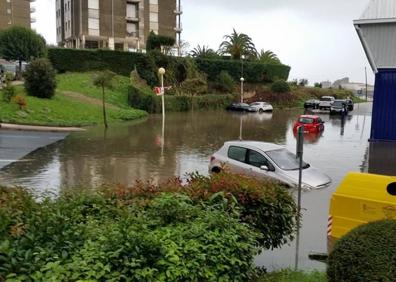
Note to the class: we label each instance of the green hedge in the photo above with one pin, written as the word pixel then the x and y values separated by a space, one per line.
pixel 147 101
pixel 119 62
pixel 207 229
pixel 254 72
pixel 367 253
pixel 124 62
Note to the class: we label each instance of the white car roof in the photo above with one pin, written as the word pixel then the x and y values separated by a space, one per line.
pixel 263 146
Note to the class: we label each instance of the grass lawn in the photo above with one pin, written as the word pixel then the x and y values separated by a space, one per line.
pixel 82 83
pixel 62 110
pixel 293 276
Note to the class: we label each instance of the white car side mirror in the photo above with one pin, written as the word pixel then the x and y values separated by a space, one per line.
pixel 264 167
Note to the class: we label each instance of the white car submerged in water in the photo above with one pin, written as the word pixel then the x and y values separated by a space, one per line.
pixel 266 160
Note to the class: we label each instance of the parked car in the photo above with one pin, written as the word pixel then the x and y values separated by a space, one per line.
pixel 312 124
pixel 262 107
pixel 325 102
pixel 339 107
pixel 311 104
pixel 241 107
pixel 350 105
pixel 266 160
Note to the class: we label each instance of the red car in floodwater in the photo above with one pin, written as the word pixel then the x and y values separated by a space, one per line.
pixel 311 123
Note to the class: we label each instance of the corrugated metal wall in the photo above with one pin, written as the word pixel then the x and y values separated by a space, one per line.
pixel 383 125
pixel 381 40
pixel 380 9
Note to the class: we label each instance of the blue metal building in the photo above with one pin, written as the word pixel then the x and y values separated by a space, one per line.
pixel 377 32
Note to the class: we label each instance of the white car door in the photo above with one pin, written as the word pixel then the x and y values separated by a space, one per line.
pixel 236 160
pixel 257 160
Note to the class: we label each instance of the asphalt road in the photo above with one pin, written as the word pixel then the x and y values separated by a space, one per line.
pixel 14 145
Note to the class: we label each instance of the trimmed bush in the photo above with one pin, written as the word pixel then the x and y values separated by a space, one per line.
pixel 92 60
pixel 280 86
pixel 254 72
pixel 367 253
pixel 40 79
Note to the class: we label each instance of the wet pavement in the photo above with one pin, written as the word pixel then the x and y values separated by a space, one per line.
pixel 14 145
pixel 138 150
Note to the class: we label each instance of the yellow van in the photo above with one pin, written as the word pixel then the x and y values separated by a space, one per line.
pixel 360 198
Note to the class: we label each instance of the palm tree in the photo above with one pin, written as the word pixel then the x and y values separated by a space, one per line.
pixel 203 52
pixel 238 44
pixel 268 57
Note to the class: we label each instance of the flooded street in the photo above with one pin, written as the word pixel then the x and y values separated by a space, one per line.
pixel 128 152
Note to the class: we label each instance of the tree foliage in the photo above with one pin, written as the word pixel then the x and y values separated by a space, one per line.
pixel 204 52
pixel 268 57
pixel 21 44
pixel 238 45
pixel 40 79
pixel 155 42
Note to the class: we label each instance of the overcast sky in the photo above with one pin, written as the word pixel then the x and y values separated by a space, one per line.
pixel 315 37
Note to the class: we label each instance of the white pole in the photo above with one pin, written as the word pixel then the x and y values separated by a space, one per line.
pixel 163 96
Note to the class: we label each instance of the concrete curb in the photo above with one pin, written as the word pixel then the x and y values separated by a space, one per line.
pixel 40 128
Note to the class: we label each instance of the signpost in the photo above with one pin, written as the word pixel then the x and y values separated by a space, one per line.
pixel 299 155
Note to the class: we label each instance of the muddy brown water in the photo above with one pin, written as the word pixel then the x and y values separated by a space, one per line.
pixel 131 151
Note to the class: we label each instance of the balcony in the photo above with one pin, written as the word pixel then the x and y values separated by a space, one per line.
pixel 134 34
pixel 133 1
pixel 32 9
pixel 32 20
pixel 134 19
pixel 178 11
pixel 178 29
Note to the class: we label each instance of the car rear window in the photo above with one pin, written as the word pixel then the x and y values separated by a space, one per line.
pixel 306 120
pixel 237 153
pixel 326 99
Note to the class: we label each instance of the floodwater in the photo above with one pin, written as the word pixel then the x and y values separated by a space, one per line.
pixel 145 150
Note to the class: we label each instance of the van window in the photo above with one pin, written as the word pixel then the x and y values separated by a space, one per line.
pixel 237 153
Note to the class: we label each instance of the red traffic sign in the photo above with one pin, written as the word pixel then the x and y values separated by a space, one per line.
pixel 159 91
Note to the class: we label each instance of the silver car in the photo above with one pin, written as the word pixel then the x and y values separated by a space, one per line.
pixel 266 160
pixel 261 107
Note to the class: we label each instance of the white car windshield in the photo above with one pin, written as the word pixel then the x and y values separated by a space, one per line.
pixel 285 160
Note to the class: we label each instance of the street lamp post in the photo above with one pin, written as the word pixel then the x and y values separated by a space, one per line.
pixel 161 72
pixel 242 80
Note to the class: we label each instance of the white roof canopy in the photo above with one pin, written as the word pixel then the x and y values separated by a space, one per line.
pixel 377 32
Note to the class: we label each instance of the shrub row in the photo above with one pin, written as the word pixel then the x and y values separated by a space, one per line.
pixel 147 101
pixel 119 62
pixel 207 230
pixel 124 62
pixel 254 72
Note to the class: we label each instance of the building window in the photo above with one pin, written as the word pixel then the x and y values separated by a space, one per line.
pixel 154 2
pixel 132 29
pixel 91 44
pixel 93 17
pixel 9 11
pixel 132 10
pixel 93 4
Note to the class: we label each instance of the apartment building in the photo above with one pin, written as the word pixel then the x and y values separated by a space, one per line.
pixel 15 12
pixel 114 24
